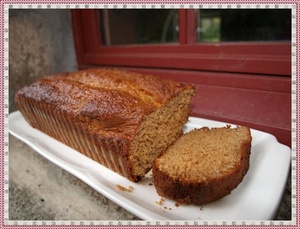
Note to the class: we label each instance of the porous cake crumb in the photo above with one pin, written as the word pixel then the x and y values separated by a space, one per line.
pixel 160 202
pixel 122 188
pixel 203 165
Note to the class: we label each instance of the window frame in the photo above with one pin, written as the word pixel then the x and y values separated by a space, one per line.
pixel 246 83
pixel 271 58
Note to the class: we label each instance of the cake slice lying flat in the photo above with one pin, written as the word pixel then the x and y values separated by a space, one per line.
pixel 203 165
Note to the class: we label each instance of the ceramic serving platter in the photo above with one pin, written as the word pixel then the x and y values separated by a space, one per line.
pixel 256 198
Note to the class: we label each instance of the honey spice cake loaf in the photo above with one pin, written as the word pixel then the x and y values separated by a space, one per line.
pixel 203 165
pixel 120 119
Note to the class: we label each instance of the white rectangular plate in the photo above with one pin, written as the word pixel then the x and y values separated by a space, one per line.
pixel 256 198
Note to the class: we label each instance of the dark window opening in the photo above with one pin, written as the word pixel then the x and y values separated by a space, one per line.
pixel 244 25
pixel 124 27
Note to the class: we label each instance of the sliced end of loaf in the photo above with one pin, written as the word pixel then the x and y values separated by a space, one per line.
pixel 158 130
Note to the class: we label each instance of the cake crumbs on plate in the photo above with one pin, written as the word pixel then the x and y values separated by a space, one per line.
pixel 160 202
pixel 177 205
pixel 122 188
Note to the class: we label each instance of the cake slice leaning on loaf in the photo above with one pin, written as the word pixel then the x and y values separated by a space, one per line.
pixel 203 165
pixel 120 119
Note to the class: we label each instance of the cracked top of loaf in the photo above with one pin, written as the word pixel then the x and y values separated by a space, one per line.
pixel 116 100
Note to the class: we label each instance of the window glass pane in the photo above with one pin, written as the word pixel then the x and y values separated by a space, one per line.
pixel 136 26
pixel 243 25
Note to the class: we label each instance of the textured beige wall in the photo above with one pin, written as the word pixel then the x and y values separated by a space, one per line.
pixel 40 43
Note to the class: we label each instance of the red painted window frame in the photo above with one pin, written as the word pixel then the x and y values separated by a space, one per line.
pixel 242 57
pixel 250 73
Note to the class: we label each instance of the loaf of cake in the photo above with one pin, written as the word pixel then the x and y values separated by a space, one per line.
pixel 203 165
pixel 120 119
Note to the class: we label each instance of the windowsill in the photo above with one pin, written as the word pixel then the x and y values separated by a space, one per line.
pixel 265 106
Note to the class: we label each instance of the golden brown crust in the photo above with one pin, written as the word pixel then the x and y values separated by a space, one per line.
pixel 185 191
pixel 97 111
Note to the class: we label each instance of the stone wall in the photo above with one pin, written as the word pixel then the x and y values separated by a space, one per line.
pixel 40 43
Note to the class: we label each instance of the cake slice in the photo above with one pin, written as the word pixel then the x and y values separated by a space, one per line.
pixel 203 165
